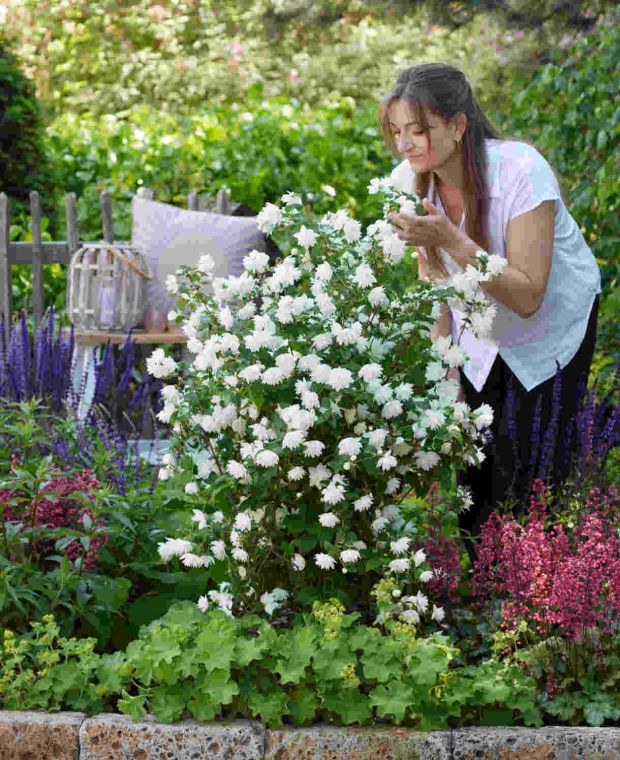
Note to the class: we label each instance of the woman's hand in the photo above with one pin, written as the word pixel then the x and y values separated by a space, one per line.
pixel 435 229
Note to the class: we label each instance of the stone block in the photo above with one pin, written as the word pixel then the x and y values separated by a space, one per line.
pixel 117 737
pixel 29 734
pixel 376 743
pixel 549 743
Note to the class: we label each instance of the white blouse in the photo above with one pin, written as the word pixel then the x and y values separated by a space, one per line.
pixel 520 179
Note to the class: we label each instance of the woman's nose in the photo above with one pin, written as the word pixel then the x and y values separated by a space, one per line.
pixel 403 142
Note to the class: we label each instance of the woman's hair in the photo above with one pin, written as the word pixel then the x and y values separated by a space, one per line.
pixel 444 91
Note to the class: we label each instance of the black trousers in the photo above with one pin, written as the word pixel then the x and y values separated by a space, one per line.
pixel 530 433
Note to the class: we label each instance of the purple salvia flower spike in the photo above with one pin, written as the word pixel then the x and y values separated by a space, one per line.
pixel 534 441
pixel 547 454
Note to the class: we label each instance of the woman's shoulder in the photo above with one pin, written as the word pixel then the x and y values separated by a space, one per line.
pixel 513 153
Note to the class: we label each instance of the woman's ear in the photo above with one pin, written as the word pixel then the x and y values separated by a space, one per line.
pixel 460 124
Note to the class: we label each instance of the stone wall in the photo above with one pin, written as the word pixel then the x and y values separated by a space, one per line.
pixel 74 736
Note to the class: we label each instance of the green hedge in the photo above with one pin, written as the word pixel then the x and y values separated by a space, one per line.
pixel 186 56
pixel 281 145
pixel 570 110
pixel 24 165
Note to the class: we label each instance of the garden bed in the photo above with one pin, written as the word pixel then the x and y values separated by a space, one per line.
pixel 71 735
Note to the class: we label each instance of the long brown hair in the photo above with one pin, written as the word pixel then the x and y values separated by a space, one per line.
pixel 444 91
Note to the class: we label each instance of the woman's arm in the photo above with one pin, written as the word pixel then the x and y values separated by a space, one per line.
pixel 529 248
pixel 443 326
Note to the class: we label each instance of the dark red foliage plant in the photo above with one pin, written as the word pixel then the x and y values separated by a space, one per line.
pixel 442 552
pixel 561 578
pixel 62 501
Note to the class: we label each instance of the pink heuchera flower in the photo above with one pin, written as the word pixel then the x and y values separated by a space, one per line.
pixel 57 506
pixel 553 578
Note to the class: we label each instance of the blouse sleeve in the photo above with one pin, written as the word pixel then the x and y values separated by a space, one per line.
pixel 531 182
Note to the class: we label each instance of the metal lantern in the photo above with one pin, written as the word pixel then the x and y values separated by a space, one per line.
pixel 106 287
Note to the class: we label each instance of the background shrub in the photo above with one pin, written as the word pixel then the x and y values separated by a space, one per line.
pixel 24 164
pixel 570 111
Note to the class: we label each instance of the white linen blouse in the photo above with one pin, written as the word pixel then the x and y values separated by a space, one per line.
pixel 520 179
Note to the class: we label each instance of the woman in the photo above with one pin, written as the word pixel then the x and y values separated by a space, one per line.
pixel 501 196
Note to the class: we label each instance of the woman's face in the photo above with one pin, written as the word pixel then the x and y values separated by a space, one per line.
pixel 423 153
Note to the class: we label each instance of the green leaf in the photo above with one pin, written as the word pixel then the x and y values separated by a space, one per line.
pixel 303 706
pixel 110 593
pixel 349 705
pixel 202 708
pixel 213 650
pixel 132 706
pixel 379 664
pixel 598 711
pixel 297 647
pixel 562 707
pixel 364 638
pixel 167 703
pixel 111 673
pixel 219 686
pixel 428 661
pixel 329 663
pixel 269 707
pixel 249 650
pixel 393 699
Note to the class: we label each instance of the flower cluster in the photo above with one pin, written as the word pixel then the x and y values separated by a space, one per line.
pixel 407 608
pixel 558 577
pixel 315 401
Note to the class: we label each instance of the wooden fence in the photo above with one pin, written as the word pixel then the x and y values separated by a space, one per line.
pixel 37 253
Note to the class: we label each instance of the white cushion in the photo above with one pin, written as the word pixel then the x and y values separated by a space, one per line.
pixel 171 236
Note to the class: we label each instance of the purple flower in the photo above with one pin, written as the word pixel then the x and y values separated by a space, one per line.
pixel 549 440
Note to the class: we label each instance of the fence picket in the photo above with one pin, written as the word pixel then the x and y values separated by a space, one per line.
pixel 73 238
pixel 108 220
pixel 37 257
pixel 221 202
pixel 5 267
pixel 39 252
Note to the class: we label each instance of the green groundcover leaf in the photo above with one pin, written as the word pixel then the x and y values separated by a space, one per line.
pixel 168 703
pixel 303 705
pixel 269 707
pixel 349 705
pixel 132 706
pixel 393 699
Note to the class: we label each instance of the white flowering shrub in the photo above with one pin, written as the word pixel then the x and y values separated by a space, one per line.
pixel 314 403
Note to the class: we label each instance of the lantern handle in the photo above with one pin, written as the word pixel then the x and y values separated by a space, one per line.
pixel 119 255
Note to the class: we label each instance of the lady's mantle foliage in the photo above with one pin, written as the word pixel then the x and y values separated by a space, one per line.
pixel 314 404
pixel 331 668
